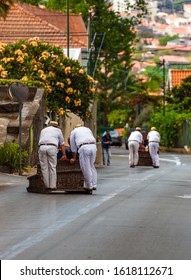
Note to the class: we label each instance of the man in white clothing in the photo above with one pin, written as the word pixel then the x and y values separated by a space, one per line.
pixel 154 140
pixel 134 140
pixel 51 138
pixel 83 141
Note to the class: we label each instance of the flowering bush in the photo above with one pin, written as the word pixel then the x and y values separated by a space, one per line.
pixel 68 86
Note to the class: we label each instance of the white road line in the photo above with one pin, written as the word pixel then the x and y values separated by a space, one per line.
pixel 177 160
pixel 185 196
pixel 5 184
pixel 45 233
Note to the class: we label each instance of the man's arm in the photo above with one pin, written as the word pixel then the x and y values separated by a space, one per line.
pixel 73 159
pixel 63 149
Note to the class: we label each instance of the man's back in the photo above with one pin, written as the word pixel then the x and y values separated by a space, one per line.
pixel 136 136
pixel 52 135
pixel 81 135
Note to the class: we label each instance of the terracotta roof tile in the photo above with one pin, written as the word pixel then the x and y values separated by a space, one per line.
pixel 174 59
pixel 176 76
pixel 181 30
pixel 26 21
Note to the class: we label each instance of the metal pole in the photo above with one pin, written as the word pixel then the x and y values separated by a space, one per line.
pixel 89 63
pixel 20 135
pixel 68 29
pixel 164 87
pixel 95 65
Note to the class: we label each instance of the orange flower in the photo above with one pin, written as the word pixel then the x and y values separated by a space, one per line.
pixel 60 84
pixel 77 102
pixel 67 99
pixel 61 111
pixel 4 74
pixel 69 90
pixel 81 71
pixel 88 114
pixel 18 52
pixel 67 70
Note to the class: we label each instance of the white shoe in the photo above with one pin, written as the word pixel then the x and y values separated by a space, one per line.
pixel 86 188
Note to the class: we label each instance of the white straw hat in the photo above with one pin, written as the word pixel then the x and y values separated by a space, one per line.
pixel 53 123
pixel 79 125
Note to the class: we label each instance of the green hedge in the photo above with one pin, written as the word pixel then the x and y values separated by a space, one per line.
pixel 10 155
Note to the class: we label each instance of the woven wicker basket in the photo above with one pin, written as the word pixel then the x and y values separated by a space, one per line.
pixel 69 178
pixel 144 159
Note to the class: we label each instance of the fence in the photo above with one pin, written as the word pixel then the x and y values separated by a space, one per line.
pixel 185 138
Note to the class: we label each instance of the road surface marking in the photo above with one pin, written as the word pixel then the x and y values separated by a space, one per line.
pixel 45 233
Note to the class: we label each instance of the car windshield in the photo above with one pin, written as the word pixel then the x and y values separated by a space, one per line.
pixel 114 133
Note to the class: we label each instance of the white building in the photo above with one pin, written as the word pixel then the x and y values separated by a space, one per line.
pixel 120 6
pixel 187 10
pixel 152 8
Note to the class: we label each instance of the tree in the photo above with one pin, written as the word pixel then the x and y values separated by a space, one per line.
pixel 165 5
pixel 4 7
pixel 164 40
pixel 112 37
pixel 114 52
pixel 68 86
pixel 177 5
pixel 34 2
pixel 177 112
pixel 75 6
pixel 180 97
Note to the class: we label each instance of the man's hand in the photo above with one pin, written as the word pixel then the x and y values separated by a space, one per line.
pixel 72 160
pixel 63 157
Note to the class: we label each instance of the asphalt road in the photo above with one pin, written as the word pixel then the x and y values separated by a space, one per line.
pixel 140 213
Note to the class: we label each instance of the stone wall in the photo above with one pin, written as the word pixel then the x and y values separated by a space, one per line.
pixel 33 120
pixel 33 117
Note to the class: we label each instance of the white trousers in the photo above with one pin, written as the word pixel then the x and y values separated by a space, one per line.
pixel 133 152
pixel 153 150
pixel 87 157
pixel 48 162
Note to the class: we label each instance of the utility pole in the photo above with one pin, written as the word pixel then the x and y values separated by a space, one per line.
pixel 164 86
pixel 68 28
pixel 90 42
pixel 92 123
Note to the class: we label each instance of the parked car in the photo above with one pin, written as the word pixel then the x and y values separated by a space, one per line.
pixel 144 132
pixel 116 138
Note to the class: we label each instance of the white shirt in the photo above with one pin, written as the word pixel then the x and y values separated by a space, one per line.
pixel 153 136
pixel 79 136
pixel 136 136
pixel 51 135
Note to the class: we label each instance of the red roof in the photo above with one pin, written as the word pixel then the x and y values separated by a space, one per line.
pixel 176 76
pixel 174 59
pixel 25 21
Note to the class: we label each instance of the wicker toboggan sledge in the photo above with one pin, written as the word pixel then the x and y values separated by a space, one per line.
pixel 69 179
